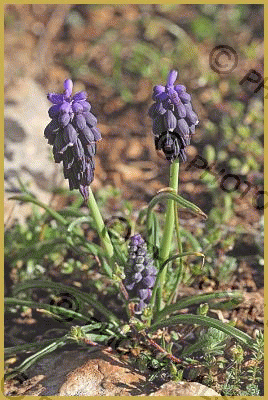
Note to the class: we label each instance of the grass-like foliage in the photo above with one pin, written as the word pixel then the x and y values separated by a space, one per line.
pixel 49 237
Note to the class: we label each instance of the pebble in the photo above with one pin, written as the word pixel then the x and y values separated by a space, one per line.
pixel 184 389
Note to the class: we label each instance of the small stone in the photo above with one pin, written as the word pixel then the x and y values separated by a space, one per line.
pixel 184 389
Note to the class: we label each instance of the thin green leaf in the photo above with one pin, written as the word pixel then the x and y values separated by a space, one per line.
pixel 190 319
pixel 165 195
pixel 72 212
pixel 153 232
pixel 27 198
pixel 84 297
pixel 32 359
pixel 61 311
pixel 156 231
pixel 226 305
pixel 88 328
pixel 120 256
pixel 149 227
pixel 78 221
pixel 184 254
pixel 50 346
pixel 91 247
pixel 194 242
pixel 94 337
pixel 106 267
pixel 27 347
pixel 42 248
pixel 198 299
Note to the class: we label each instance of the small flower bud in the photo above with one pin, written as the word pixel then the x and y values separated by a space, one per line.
pixel 238 354
pixel 203 309
pixel 125 329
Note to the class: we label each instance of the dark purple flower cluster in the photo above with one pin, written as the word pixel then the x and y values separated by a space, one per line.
pixel 140 273
pixel 174 120
pixel 73 134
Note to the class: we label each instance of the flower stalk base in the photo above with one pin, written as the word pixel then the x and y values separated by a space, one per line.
pixel 100 226
pixel 169 220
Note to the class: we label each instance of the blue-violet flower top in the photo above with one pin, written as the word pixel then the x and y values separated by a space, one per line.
pixel 73 134
pixel 174 120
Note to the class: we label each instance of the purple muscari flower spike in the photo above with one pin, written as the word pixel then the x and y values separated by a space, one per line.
pixel 73 134
pixel 140 273
pixel 174 120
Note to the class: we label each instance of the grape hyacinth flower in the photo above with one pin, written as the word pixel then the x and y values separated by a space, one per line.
pixel 73 133
pixel 174 120
pixel 140 273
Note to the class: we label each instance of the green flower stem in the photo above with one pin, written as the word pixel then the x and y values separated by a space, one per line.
pixel 101 228
pixel 105 238
pixel 180 269
pixel 169 220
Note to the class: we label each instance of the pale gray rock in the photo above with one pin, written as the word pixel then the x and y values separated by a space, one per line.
pixel 26 153
pixel 184 389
